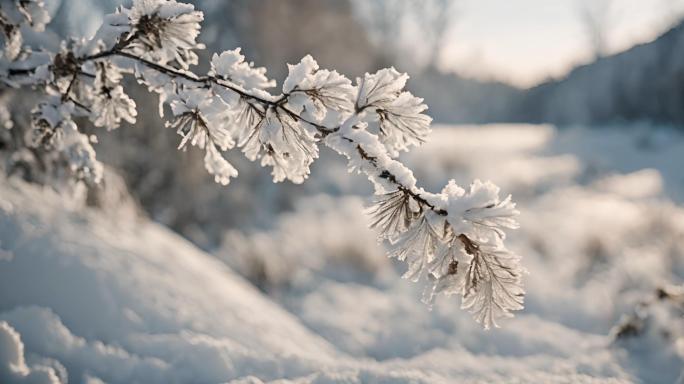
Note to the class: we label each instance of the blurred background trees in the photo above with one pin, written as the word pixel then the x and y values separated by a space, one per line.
pixel 597 18
pixel 644 83
pixel 363 35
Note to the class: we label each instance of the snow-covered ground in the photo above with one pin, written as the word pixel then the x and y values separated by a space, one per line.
pixel 91 297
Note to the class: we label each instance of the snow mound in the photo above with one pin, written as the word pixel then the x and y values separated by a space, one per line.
pixel 13 366
pixel 131 301
pixel 640 184
pixel 95 299
pixel 90 296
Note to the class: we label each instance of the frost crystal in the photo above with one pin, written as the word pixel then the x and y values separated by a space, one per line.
pixel 393 213
pixel 112 107
pixel 14 15
pixel 315 92
pixel 402 123
pixel 479 212
pixel 417 246
pixel 200 120
pixel 80 155
pixel 231 66
pixel 111 104
pixel 493 285
pixel 165 30
pixel 218 166
pixel 284 143
pixel 46 122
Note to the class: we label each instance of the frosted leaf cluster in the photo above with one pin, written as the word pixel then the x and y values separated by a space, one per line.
pixel 455 241
pixel 231 66
pixel 17 14
pixel 110 104
pixel 398 113
pixel 164 31
pixel 452 239
pixel 313 93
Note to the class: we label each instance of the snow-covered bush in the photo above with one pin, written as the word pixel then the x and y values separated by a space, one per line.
pixel 315 237
pixel 453 239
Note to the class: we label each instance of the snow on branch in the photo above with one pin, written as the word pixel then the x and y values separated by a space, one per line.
pixel 452 239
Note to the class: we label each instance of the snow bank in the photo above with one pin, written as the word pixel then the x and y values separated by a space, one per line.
pixel 130 301
pixel 598 240
pixel 92 297
pixel 13 368
pixel 87 298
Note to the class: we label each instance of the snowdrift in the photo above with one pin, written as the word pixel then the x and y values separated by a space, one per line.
pixel 92 296
pixel 130 302
pixel 88 298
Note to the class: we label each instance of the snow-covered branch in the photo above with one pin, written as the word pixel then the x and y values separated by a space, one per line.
pixel 454 238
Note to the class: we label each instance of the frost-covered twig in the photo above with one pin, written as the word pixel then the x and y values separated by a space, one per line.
pixel 661 308
pixel 453 238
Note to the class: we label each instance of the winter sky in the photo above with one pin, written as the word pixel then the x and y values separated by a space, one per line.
pixel 521 42
pixel 526 41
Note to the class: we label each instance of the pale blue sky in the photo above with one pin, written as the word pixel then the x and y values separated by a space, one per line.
pixel 517 41
pixel 525 41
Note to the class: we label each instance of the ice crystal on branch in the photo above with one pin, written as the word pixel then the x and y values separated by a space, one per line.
pixel 417 245
pixel 218 166
pixel 80 154
pixel 284 143
pixel 14 15
pixel 165 31
pixel 446 272
pixel 452 239
pixel 110 104
pixel 455 240
pixel 479 212
pixel 200 119
pixel 492 283
pixel 231 66
pixel 399 114
pixel 46 121
pixel 314 92
pixel 393 213
pixel 13 40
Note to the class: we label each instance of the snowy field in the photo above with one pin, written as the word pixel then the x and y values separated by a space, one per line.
pixel 89 296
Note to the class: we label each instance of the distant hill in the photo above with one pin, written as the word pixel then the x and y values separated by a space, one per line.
pixel 644 83
pixel 454 99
